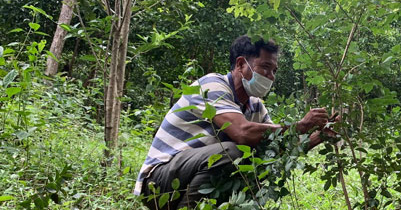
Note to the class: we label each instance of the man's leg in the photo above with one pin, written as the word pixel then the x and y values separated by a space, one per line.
pixel 191 168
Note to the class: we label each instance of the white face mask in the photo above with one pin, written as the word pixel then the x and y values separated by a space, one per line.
pixel 258 86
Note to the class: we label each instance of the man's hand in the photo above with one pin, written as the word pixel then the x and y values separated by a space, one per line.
pixel 315 117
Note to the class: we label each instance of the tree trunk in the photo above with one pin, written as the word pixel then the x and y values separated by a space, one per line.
pixel 116 77
pixel 58 39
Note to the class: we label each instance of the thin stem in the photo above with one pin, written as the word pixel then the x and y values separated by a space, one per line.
pixel 332 71
pixel 26 38
pixel 254 173
pixel 364 189
pixel 345 12
pixel 157 2
pixel 295 193
pixel 350 36
pixel 78 14
pixel 303 47
pixel 360 124
pixel 292 198
pixel 340 171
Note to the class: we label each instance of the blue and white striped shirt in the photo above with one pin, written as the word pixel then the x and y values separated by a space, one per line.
pixel 178 126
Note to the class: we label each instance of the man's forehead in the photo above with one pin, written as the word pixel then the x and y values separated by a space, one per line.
pixel 268 57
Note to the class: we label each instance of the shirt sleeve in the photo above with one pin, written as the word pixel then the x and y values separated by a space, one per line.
pixel 219 94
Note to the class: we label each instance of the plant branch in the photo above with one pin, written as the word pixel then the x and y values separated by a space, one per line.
pixel 345 12
pixel 78 14
pixel 351 35
pixel 332 71
pixel 106 4
pixel 303 47
pixel 341 174
pixel 139 12
pixel 124 16
pixel 364 189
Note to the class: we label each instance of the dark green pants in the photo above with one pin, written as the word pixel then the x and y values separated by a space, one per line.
pixel 191 168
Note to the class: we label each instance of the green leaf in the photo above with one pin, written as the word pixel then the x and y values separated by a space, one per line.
pixel 34 26
pixel 39 203
pixel 51 55
pixel 41 33
pixel 276 4
pixel 361 149
pixel 169 86
pixel 41 45
pixel 327 185
pixel 65 27
pixel 185 108
pixel 387 59
pixel 51 187
pixel 8 51
pixel 175 184
pixel 16 30
pixel 386 193
pixel 289 165
pixel 241 197
pixel 246 168
pixel 9 78
pixel 209 112
pixel 21 135
pixel 12 91
pixel 284 192
pixel 244 148
pixel 190 90
pixel 26 204
pixel 126 170
pixel 225 125
pixel 6 198
pixel 376 146
pixel 197 136
pixel 264 174
pixel 213 158
pixel 206 190
pixel 38 10
pixel 88 58
pixel 175 195
pixel 396 48
pixel 163 200
pixel 368 87
pixel 2 61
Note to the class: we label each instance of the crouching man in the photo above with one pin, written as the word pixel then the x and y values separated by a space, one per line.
pixel 253 69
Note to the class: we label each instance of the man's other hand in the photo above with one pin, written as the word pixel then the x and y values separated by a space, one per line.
pixel 314 118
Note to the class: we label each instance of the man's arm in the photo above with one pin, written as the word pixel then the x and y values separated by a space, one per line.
pixel 249 133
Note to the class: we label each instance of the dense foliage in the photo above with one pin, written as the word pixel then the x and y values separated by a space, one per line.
pixel 342 55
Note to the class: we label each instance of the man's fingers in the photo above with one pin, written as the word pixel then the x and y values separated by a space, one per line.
pixel 321 115
pixel 321 110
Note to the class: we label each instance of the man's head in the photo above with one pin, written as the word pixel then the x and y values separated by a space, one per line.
pixel 243 46
pixel 247 59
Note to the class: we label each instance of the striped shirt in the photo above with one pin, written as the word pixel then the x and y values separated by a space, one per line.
pixel 180 126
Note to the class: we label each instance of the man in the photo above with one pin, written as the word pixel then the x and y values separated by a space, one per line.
pixel 253 69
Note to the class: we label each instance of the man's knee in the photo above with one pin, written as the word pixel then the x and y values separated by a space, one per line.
pixel 232 149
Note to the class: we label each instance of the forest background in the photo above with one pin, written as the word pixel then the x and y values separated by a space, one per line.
pixel 84 85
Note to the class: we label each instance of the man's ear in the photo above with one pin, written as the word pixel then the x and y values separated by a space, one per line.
pixel 240 63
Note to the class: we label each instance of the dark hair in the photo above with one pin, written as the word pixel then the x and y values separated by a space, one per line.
pixel 243 46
